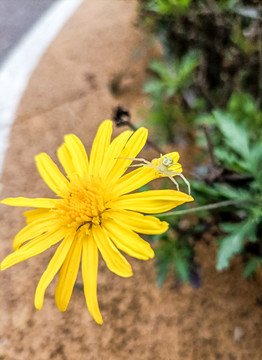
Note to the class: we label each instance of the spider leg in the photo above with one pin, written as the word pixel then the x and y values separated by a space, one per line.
pixel 147 164
pixel 174 181
pixel 154 167
pixel 135 159
pixel 187 183
pixel 182 177
pixel 150 165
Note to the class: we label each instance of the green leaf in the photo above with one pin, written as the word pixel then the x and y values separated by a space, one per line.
pixel 232 244
pixel 243 107
pixel 188 64
pixel 173 76
pixel 144 188
pixel 153 87
pixel 227 4
pixel 255 162
pixel 247 11
pixel 162 271
pixel 230 192
pixel 229 227
pixel 160 68
pixel 231 160
pixel 182 268
pixel 252 266
pixel 201 187
pixel 171 7
pixel 236 135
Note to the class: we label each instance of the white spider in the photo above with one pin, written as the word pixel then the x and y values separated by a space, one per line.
pixel 162 168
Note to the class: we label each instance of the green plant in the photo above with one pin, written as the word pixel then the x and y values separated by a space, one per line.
pixel 168 7
pixel 174 254
pixel 228 192
pixel 168 91
pixel 226 36
pixel 209 85
pixel 238 177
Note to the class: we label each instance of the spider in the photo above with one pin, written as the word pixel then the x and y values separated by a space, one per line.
pixel 162 168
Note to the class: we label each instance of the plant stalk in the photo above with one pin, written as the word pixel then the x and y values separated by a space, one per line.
pixel 204 207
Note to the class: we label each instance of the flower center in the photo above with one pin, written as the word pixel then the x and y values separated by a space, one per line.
pixel 84 205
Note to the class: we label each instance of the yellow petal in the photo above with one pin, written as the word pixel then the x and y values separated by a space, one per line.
pixel 51 174
pixel 114 260
pixel 139 223
pixel 89 274
pixel 66 161
pixel 52 268
pixel 113 152
pixel 151 202
pixel 177 168
pixel 100 146
pixel 32 248
pixel 32 215
pixel 135 179
pixel 34 229
pixel 128 241
pixel 134 145
pixel 26 202
pixel 68 275
pixel 174 155
pixel 74 156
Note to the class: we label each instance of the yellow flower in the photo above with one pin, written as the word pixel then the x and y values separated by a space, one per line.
pixel 93 212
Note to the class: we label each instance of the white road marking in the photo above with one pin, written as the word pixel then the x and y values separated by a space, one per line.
pixel 19 65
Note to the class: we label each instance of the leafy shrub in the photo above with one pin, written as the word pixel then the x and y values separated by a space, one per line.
pixel 236 177
pixel 166 92
pixel 209 85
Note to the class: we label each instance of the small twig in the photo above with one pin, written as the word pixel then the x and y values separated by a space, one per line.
pixel 205 207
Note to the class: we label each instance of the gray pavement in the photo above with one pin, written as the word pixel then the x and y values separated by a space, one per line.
pixel 27 28
pixel 16 17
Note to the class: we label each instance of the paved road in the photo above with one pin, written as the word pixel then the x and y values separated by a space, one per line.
pixel 16 17
pixel 27 27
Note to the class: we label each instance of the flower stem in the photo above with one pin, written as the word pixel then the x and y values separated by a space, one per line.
pixel 204 207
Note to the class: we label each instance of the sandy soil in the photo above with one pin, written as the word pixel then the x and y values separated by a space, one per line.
pixel 70 92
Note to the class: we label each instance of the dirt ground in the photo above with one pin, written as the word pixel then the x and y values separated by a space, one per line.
pixel 70 92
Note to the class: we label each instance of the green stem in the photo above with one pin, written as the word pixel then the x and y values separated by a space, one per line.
pixel 203 208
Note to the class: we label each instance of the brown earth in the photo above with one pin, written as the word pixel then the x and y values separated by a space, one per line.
pixel 70 92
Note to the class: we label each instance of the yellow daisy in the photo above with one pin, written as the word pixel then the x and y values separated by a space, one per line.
pixel 93 212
